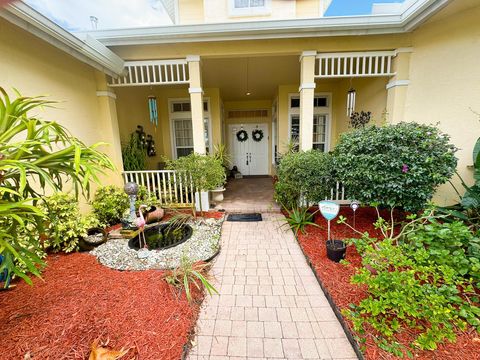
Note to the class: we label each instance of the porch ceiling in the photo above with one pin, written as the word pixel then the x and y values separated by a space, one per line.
pixel 264 75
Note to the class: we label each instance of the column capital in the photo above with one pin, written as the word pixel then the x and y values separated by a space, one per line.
pixel 307 86
pixel 403 50
pixel 108 93
pixel 308 53
pixel 195 90
pixel 193 58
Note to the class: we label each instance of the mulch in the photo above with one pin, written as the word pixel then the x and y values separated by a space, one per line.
pixel 79 300
pixel 336 279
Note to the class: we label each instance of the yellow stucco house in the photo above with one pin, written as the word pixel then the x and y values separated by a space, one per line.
pixel 274 65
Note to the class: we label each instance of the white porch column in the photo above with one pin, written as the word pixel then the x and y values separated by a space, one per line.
pixel 307 92
pixel 397 87
pixel 196 102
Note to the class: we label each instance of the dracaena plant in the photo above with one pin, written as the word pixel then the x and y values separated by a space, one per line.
pixel 36 156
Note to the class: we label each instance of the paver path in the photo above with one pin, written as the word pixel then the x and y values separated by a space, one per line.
pixel 270 304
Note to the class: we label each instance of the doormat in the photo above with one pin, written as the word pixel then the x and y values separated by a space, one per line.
pixel 245 217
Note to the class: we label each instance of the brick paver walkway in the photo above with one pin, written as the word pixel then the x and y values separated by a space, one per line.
pixel 270 304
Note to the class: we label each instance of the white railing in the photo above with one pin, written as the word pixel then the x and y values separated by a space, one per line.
pixel 154 72
pixel 337 194
pixel 354 64
pixel 171 188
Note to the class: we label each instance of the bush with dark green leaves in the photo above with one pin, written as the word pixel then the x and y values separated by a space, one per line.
pixel 109 204
pixel 396 165
pixel 304 176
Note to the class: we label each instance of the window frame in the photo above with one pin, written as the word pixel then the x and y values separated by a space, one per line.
pixel 187 115
pixel 249 11
pixel 320 110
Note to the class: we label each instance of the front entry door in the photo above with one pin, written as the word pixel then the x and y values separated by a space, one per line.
pixel 250 156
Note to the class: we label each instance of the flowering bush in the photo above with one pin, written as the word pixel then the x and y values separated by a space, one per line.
pixel 396 165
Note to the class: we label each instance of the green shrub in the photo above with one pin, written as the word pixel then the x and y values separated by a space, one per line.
pixel 424 281
pixel 447 243
pixel 298 219
pixel 134 155
pixel 307 175
pixel 396 165
pixel 109 204
pixel 144 199
pixel 65 224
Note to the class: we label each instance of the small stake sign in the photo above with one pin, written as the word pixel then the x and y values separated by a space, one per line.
pixel 329 211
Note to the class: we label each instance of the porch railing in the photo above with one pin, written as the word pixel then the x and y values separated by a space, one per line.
pixel 171 188
pixel 174 189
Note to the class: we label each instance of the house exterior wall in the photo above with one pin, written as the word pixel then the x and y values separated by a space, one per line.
pixel 445 85
pixel 132 108
pixel 37 68
pixel 216 11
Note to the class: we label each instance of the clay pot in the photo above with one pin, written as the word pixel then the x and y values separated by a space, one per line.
pixel 154 214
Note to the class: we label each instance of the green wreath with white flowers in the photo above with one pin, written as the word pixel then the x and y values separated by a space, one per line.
pixel 257 135
pixel 242 136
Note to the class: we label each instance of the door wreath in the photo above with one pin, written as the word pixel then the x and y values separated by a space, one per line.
pixel 242 136
pixel 257 135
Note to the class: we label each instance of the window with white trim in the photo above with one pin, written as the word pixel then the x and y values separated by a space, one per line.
pixel 321 111
pixel 250 7
pixel 182 131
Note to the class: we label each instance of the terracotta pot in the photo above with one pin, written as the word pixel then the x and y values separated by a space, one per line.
pixel 154 215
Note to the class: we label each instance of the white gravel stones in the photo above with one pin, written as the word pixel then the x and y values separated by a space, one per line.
pixel 203 244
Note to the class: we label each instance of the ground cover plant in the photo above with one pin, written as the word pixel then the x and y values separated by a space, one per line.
pixel 395 293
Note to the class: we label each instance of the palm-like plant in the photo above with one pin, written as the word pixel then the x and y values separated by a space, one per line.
pixel 298 219
pixel 35 156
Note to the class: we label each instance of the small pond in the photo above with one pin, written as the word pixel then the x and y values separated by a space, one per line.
pixel 163 236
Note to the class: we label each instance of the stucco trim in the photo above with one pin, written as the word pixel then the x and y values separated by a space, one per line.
pixel 195 90
pixel 110 94
pixel 307 86
pixel 411 17
pixel 396 83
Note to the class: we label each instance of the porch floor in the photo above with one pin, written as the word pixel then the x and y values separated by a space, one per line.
pixel 249 195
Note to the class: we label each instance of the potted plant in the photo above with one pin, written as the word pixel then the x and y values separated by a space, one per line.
pixel 225 159
pixel 336 249
pixel 205 172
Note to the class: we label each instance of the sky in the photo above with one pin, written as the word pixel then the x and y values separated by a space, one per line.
pixel 354 7
pixel 75 14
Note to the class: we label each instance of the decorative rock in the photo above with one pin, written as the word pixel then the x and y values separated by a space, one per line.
pixel 203 244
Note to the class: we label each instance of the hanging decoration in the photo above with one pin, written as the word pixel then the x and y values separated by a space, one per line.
pixel 257 135
pixel 151 151
pixel 152 107
pixel 142 137
pixel 242 136
pixel 351 96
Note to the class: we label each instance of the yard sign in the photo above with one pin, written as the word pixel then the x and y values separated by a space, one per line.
pixel 329 211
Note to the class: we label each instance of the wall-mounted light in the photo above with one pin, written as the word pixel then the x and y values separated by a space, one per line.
pixel 152 107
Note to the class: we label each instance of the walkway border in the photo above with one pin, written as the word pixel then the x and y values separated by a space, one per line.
pixel 334 307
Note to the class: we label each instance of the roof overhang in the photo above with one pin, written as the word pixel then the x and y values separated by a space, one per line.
pixel 89 50
pixel 410 17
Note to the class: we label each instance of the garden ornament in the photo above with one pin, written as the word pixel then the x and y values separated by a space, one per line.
pixel 329 211
pixel 354 205
pixel 131 189
pixel 140 222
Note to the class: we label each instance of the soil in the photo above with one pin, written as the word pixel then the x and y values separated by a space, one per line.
pixel 78 301
pixel 336 279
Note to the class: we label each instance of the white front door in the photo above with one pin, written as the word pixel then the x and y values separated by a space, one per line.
pixel 250 156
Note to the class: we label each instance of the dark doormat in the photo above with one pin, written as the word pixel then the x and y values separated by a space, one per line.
pixel 245 217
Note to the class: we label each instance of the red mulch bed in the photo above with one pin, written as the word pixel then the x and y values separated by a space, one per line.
pixel 336 279
pixel 80 300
